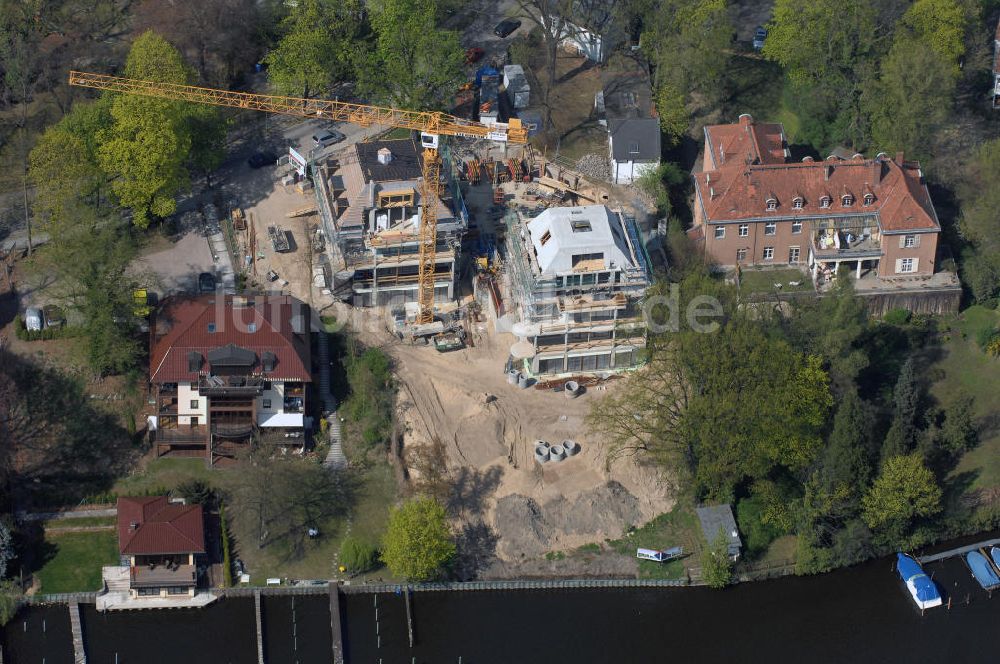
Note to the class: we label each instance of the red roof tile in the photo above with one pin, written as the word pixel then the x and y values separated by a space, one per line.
pixel 738 189
pixel 152 525
pixel 261 323
pixel 745 141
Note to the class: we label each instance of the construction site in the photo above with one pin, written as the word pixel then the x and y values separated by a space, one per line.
pixel 459 237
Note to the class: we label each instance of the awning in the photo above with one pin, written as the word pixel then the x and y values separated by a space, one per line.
pixel 289 420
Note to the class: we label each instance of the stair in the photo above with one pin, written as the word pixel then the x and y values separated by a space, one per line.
pixel 335 458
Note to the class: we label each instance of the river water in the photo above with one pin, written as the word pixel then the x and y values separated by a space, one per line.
pixel 861 614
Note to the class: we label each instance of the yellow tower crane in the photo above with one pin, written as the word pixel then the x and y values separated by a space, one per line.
pixel 430 124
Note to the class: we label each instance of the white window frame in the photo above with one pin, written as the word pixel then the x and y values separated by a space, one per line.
pixel 768 253
pixel 772 204
pixel 797 253
pixel 796 227
pixel 869 199
pixel 907 265
pixel 744 230
pixel 909 241
pixel 797 203
pixel 847 200
pixel 825 202
pixel 741 255
pixel 771 228
pixel 720 232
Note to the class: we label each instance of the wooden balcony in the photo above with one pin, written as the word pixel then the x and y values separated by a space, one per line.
pixel 221 386
pixel 152 576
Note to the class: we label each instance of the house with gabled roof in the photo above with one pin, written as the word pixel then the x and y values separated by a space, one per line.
pixel 229 370
pixel 754 207
pixel 625 106
pixel 163 543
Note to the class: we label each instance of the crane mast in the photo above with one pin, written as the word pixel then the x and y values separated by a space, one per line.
pixel 431 124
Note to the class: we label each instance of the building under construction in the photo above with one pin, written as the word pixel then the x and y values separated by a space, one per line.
pixel 369 198
pixel 576 276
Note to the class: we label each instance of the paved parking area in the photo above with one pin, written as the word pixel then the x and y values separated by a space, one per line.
pixel 176 269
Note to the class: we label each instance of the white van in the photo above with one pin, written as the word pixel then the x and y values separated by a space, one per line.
pixel 326 137
pixel 33 320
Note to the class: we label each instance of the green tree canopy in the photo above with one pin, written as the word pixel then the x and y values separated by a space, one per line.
pixel 316 48
pixel 904 490
pixel 149 142
pixel 902 435
pixel 688 40
pixel 418 542
pixel 414 65
pixel 716 567
pixel 941 25
pixel 912 97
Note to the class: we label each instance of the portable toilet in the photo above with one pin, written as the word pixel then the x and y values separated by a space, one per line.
pixel 33 320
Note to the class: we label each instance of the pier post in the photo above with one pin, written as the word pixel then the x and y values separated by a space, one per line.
pixel 409 616
pixel 335 624
pixel 260 626
pixel 79 653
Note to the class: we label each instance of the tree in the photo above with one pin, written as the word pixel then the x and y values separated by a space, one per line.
pixel 912 97
pixel 357 556
pixel 980 196
pixel 905 490
pixel 316 48
pixel 149 141
pixel 207 128
pixel 940 26
pixel 828 49
pixel 850 454
pixel 418 542
pixel 716 567
pixel 6 548
pixel 673 112
pixel 414 65
pixel 689 42
pixel 902 435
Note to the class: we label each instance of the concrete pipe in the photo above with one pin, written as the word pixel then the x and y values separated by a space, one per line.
pixel 512 377
pixel 571 447
pixel 557 453
pixel 542 454
pixel 572 389
pixel 522 381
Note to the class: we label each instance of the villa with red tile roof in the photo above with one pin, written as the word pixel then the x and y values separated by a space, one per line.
pixel 753 207
pixel 228 370
pixel 162 542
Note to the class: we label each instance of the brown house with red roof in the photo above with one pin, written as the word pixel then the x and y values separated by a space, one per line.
pixel 754 207
pixel 227 370
pixel 163 542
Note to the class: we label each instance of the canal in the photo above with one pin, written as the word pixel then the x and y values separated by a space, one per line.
pixel 861 614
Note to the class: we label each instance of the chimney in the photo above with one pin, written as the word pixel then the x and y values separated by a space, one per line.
pixel 807 159
pixel 746 119
pixel 899 158
pixel 384 156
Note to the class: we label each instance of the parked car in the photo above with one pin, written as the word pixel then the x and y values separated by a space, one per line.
pixel 327 137
pixel 262 159
pixel 206 282
pixel 506 27
pixel 33 319
pixel 759 36
pixel 53 316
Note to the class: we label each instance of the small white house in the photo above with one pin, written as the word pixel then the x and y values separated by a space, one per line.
pixel 634 147
pixel 625 106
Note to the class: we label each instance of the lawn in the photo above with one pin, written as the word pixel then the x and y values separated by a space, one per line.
pixel 77 560
pixel 79 522
pixel 763 281
pixel 166 473
pixel 964 367
pixel 367 522
pixel 679 527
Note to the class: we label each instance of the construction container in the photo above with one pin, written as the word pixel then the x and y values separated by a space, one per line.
pixel 516 84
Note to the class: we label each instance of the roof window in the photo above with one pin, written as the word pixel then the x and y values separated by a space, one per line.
pixel 797 202
pixel 825 202
pixel 847 200
pixel 772 203
pixel 546 236
pixel 581 226
pixel 251 327
pixel 869 199
pixel 633 148
pixel 211 328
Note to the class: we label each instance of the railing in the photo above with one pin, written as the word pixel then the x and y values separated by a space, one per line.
pixel 541 584
pixel 221 386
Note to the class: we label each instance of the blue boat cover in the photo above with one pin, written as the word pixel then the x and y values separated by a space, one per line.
pixel 995 555
pixel 910 570
pixel 981 569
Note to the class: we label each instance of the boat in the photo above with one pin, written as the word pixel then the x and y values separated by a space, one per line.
pixel 995 555
pixel 982 571
pixel 923 590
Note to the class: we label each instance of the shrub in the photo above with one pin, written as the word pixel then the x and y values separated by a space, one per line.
pixel 356 555
pixel 985 334
pixel 716 567
pixel 759 533
pixel 896 317
pixel 227 561
pixel 10 599
pixel 993 347
pixel 45 334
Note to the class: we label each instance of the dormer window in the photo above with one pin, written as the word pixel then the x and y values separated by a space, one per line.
pixel 824 202
pixel 772 204
pixel 869 199
pixel 797 203
pixel 847 200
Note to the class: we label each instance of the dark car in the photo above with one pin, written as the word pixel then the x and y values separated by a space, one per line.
pixel 759 37
pixel 262 159
pixel 506 27
pixel 53 316
pixel 206 282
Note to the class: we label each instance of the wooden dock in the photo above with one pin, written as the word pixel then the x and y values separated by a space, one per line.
pixel 960 551
pixel 79 654
pixel 260 626
pixel 335 624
